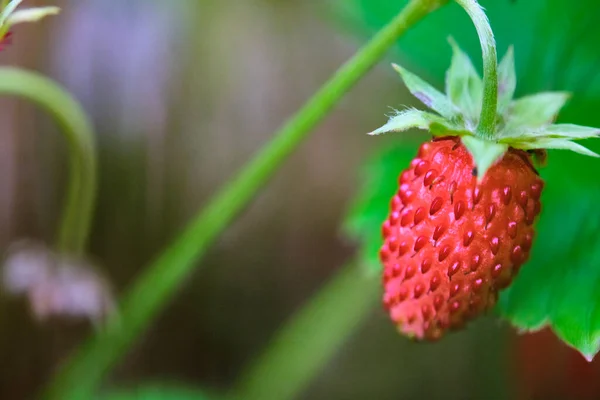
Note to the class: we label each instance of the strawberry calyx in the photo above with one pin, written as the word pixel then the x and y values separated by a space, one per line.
pixel 525 123
pixel 10 15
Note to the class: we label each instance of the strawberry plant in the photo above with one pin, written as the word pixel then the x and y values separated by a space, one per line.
pixel 445 231
pixel 539 297
pixel 461 223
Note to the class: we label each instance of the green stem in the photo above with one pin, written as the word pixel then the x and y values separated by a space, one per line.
pixel 487 121
pixel 299 350
pixel 82 374
pixel 77 213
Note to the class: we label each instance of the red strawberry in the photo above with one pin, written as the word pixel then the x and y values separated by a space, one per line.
pixel 461 223
pixel 450 243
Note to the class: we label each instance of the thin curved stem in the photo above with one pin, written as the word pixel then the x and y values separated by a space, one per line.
pixel 487 121
pixel 78 206
pixel 79 377
pixel 304 345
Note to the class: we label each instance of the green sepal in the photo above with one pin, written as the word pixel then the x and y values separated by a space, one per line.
pixel 533 111
pixel 31 14
pixel 507 80
pixel 9 15
pixel 8 10
pixel 562 131
pixel 427 94
pixel 525 123
pixel 464 86
pixel 554 143
pixel 484 152
pixel 571 131
pixel 412 118
pixel 557 136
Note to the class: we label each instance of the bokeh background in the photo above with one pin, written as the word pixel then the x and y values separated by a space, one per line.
pixel 182 93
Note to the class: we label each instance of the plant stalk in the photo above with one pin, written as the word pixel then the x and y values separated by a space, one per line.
pixel 311 337
pixel 81 375
pixel 487 121
pixel 73 231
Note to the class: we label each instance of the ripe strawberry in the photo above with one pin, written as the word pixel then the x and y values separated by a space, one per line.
pixel 461 224
pixel 450 243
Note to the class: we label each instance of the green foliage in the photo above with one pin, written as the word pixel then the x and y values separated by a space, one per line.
pixel 559 286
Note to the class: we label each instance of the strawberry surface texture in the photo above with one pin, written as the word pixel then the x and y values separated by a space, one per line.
pixel 451 242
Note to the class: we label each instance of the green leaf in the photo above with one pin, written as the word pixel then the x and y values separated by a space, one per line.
pixel 535 110
pixel 371 204
pixel 484 153
pixel 507 80
pixel 412 118
pixel 559 286
pixel 427 94
pixel 463 84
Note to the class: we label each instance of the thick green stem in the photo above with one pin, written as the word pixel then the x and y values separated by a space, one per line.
pixel 487 121
pixel 82 374
pixel 77 214
pixel 305 344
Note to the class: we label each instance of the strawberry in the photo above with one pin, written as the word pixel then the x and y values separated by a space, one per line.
pixel 461 224
pixel 450 243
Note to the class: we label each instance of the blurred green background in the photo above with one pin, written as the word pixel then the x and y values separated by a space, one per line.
pixel 182 93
